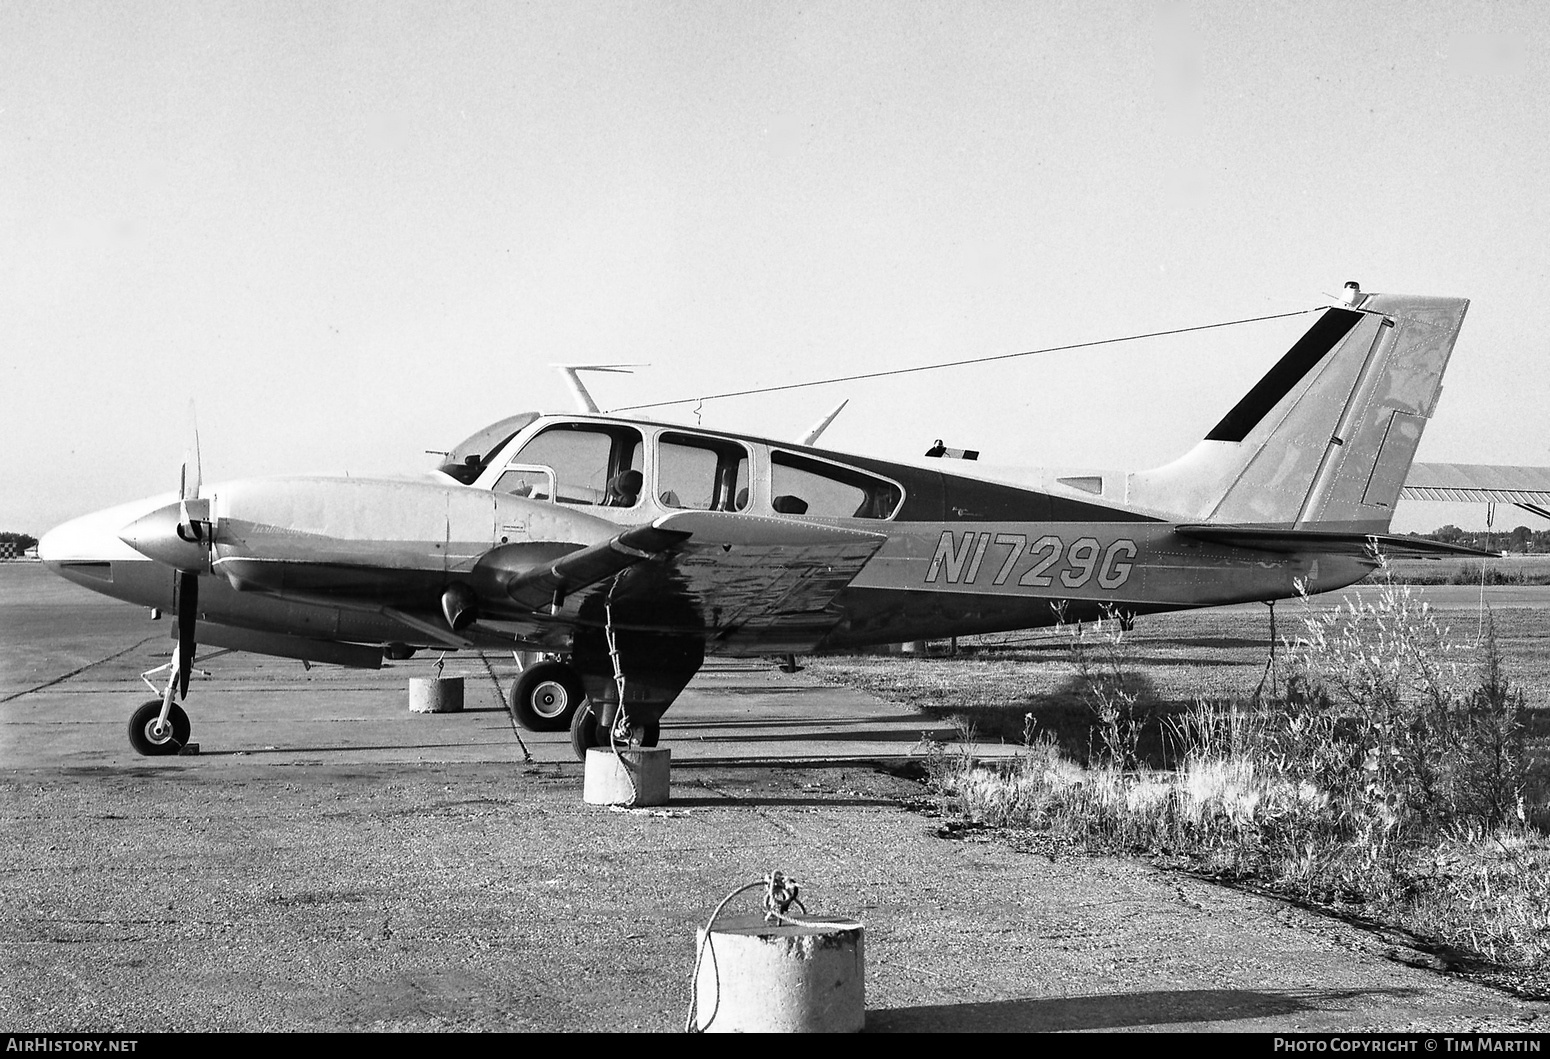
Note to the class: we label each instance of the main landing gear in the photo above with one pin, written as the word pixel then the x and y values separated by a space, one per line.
pixel 547 696
pixel 551 697
pixel 587 730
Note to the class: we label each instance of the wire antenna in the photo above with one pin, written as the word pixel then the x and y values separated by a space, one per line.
pixel 962 363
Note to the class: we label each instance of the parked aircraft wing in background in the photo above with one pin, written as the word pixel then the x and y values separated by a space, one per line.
pixel 1478 483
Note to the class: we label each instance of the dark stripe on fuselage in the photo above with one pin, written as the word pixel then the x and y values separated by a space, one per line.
pixel 1311 348
pixel 932 496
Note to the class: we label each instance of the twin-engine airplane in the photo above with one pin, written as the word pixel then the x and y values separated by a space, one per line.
pixel 626 550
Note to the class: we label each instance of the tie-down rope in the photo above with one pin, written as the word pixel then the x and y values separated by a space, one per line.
pixel 621 717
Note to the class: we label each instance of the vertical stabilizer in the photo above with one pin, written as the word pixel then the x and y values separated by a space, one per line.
pixel 1327 436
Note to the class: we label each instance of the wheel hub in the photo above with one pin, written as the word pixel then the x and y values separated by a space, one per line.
pixel 550 699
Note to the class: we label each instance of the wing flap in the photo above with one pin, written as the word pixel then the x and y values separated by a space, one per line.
pixel 775 597
pixel 767 583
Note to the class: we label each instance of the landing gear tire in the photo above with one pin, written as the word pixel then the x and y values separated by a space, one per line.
pixel 583 731
pixel 586 732
pixel 547 697
pixel 158 741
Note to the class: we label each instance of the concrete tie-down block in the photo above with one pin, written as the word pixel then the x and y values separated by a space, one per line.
pixel 636 776
pixel 435 694
pixel 757 977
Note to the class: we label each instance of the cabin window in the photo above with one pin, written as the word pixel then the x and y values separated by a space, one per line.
pixel 590 464
pixel 526 480
pixel 802 486
pixel 702 474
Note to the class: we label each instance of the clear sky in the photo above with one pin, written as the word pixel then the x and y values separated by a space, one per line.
pixel 350 232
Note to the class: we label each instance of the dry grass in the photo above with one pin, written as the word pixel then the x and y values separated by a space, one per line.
pixel 1391 766
pixel 1511 569
pixel 1176 660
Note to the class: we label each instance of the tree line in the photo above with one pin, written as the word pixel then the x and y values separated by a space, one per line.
pixel 1518 539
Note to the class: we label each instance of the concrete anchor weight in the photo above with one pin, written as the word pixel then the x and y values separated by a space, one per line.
pixel 435 694
pixel 637 776
pixel 761 977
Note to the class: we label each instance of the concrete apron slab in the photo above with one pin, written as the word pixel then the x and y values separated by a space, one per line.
pixel 277 711
pixel 69 678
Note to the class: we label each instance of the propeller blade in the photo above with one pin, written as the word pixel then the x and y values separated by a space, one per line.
pixel 188 609
pixel 188 488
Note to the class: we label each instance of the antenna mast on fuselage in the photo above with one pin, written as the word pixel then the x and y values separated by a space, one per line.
pixel 579 388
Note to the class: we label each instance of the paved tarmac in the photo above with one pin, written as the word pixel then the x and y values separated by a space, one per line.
pixel 330 861
pixel 285 713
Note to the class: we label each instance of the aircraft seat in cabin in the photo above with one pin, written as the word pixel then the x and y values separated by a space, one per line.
pixel 624 489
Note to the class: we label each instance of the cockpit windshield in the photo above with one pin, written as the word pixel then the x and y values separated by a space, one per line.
pixel 468 458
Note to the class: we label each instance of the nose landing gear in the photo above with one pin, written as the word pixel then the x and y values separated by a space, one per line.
pixel 161 727
pixel 152 736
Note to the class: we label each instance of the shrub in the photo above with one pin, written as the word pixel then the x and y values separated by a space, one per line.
pixel 1386 769
pixel 1381 710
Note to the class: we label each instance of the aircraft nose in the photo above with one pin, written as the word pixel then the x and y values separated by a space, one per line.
pixel 94 537
pixel 89 538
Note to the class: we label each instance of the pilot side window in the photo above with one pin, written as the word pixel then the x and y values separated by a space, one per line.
pixel 705 474
pixel 801 486
pixel 590 464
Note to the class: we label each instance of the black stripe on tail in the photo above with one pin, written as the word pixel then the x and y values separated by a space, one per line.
pixel 1311 348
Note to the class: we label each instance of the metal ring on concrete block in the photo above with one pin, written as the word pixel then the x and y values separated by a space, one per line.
pixel 435 694
pixel 636 776
pixel 757 977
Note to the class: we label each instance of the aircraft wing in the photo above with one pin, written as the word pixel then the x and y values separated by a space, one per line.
pixel 1271 539
pixel 532 587
pixel 1477 483
pixel 735 579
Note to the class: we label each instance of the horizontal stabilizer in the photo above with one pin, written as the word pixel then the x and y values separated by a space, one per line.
pixel 1281 541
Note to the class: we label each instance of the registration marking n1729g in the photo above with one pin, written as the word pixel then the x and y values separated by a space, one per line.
pixel 959 559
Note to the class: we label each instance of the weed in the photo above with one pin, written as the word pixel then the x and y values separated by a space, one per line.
pixel 1122 712
pixel 1386 770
